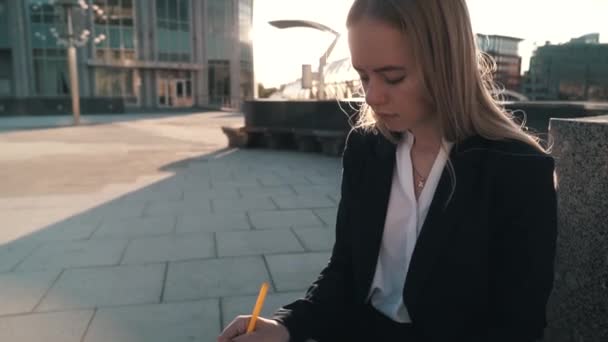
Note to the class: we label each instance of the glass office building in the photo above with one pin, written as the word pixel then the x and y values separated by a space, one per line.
pixel 574 71
pixel 157 54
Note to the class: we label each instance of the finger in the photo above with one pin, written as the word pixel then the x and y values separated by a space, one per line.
pixel 251 337
pixel 237 327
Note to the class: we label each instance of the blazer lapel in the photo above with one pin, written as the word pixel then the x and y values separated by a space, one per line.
pixel 441 217
pixel 378 188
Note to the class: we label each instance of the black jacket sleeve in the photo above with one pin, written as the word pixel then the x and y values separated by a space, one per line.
pixel 328 298
pixel 522 248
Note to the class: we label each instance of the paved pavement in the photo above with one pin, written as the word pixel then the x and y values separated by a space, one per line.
pixel 147 228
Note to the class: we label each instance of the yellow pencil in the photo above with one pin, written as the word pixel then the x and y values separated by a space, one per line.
pixel 258 307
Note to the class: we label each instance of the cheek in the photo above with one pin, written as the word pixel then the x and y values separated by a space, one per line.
pixel 410 100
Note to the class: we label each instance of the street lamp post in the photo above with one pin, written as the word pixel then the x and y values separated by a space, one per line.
pixel 71 42
pixel 72 65
pixel 283 24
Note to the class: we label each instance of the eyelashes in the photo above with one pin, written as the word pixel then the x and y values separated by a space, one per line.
pixel 393 81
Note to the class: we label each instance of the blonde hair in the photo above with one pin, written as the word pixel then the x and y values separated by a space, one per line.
pixel 456 76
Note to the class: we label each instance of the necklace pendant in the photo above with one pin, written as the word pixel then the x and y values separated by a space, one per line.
pixel 420 184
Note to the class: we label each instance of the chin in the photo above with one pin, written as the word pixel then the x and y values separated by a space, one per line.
pixel 395 127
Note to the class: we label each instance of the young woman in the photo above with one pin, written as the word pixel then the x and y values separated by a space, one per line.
pixel 446 227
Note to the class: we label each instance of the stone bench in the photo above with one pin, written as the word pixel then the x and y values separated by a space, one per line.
pixel 306 140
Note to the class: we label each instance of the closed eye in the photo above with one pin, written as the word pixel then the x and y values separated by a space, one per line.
pixel 395 80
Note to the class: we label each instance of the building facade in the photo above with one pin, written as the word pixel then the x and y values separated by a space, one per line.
pixel 505 52
pixel 574 71
pixel 156 55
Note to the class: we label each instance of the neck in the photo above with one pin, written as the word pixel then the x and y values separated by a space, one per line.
pixel 426 138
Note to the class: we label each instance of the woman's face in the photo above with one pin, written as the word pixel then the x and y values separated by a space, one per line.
pixel 383 58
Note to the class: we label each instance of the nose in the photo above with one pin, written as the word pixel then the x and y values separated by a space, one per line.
pixel 375 95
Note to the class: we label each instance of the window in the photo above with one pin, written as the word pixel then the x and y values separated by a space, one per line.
pixel 49 58
pixel 118 83
pixel 5 73
pixel 219 82
pixel 117 23
pixel 173 30
pixel 4 34
pixel 219 30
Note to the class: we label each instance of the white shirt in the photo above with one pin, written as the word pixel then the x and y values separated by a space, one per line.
pixel 404 219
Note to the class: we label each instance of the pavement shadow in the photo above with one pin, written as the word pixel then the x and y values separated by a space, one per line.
pixel 140 262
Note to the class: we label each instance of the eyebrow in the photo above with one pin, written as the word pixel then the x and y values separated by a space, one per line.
pixel 385 68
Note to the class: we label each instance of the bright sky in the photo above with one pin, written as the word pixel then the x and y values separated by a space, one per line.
pixel 279 54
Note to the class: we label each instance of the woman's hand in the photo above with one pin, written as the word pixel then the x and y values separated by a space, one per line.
pixel 265 330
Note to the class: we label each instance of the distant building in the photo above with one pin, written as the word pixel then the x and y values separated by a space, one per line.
pixel 505 51
pixel 574 71
pixel 159 54
pixel 342 80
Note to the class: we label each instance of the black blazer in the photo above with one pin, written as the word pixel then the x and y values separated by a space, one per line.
pixel 482 268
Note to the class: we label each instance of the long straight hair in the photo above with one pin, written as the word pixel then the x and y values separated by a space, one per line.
pixel 456 76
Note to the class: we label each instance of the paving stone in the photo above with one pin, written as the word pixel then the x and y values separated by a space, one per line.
pixel 23 223
pixel 257 242
pixel 65 231
pixel 114 211
pixel 21 291
pixel 203 197
pixel 137 227
pixel 175 322
pixel 212 223
pixel 170 248
pixel 55 326
pixel 67 254
pixel 265 192
pixel 330 180
pixel 274 180
pixel 335 198
pixel 214 278
pixel 328 215
pixel 165 193
pixel 317 239
pixel 285 172
pixel 243 305
pixel 105 286
pixel 242 205
pixel 292 272
pixel 284 219
pixel 316 190
pixel 160 209
pixel 234 184
pixel 303 202
pixel 14 252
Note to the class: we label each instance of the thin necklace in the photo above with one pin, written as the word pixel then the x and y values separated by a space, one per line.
pixel 420 183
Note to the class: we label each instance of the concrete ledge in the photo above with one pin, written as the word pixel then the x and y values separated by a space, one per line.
pixel 579 302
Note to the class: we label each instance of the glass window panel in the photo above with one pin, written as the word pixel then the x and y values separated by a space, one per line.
pixel 184 42
pixel 5 73
pixel 180 89
pixel 127 21
pixel 161 9
pixel 4 39
pixel 127 34
pixel 114 38
pixel 184 10
pixel 172 10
